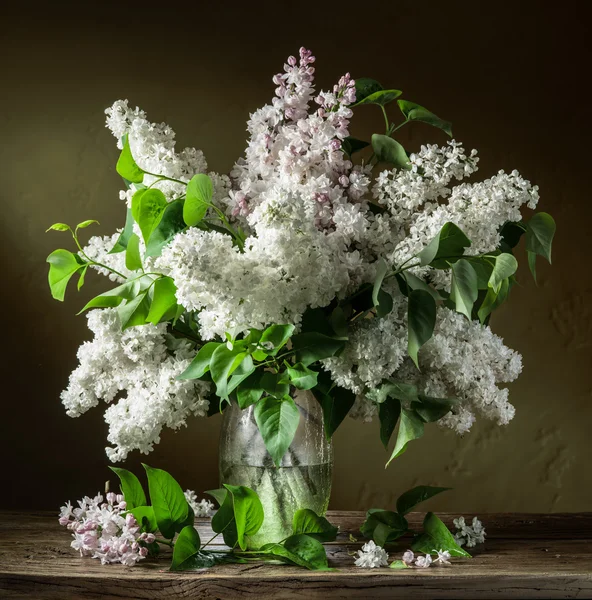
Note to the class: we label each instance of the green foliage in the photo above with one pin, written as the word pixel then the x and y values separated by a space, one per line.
pixel 224 522
pixel 540 231
pixel 223 363
pixel 249 390
pixel 125 235
pixel 351 145
pixel 201 363
pixel 170 224
pixel 306 521
pixel 436 536
pixel 276 336
pixel 145 517
pixel 415 112
pixel 58 227
pixel 134 312
pixel 126 165
pixel 302 550
pixel 277 420
pixel 388 414
pixel 248 512
pixel 302 377
pixel 398 564
pixel 384 526
pixel 274 384
pixel 464 288
pixel 164 301
pixel 198 199
pixel 62 265
pixel 335 403
pixel 186 550
pixel 365 87
pixel 448 245
pixel 421 320
pixel 133 259
pixel 380 97
pixel 411 498
pixel 430 409
pixel 390 151
pixel 410 428
pixel 312 346
pixel 148 210
pixel 171 510
pixel 131 488
pixel 505 266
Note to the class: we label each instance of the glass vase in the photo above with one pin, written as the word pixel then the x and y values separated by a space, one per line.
pixel 303 479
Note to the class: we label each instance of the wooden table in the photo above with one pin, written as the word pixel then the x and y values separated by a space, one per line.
pixel 525 556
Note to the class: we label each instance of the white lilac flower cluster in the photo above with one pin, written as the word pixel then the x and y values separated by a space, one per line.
pixel 469 535
pixel 372 556
pixel 102 529
pixel 137 362
pixel 203 508
pixel 311 237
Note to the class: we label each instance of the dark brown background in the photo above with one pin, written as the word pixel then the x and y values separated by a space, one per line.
pixel 510 77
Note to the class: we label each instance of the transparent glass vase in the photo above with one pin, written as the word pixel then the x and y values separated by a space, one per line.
pixel 303 479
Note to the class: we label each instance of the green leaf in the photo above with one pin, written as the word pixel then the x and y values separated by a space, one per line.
pixel 278 421
pixel 276 336
pixel 58 227
pixel 86 223
pixel 421 320
pixel 171 509
pixel 124 236
pixel 248 512
pixel 302 550
pixel 219 495
pixel 186 548
pixel 302 377
pixel 126 291
pixel 464 290
pixel 483 269
pixel 532 263
pixel 511 232
pixel 164 302
pixel 415 283
pixel 430 410
pixel 436 537
pixel 381 97
pixel 126 165
pixel 365 87
pixel 134 312
pixel 388 414
pixel 505 266
pixel 222 364
pixel 81 276
pixel 383 526
pixel 312 346
pixel 224 522
pixel 198 199
pixel 410 428
pixel 338 321
pixel 62 265
pixel 308 522
pixel 390 151
pixel 274 385
pixel 335 405
pixel 145 517
pixel 151 206
pixel 398 564
pixel 415 112
pixel 201 363
pixel 411 498
pixel 133 259
pixel 449 244
pixel 540 231
pixel 249 391
pixel 131 488
pixel 393 389
pixel 381 271
pixel 351 145
pixel 167 228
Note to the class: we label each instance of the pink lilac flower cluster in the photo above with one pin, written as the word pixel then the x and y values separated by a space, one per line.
pixel 103 529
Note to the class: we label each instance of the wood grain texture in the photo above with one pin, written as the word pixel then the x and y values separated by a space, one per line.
pixel 525 556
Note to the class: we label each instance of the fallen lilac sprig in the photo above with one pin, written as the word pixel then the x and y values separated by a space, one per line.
pixel 469 535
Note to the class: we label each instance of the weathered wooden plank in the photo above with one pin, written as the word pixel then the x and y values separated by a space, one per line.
pixel 553 559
